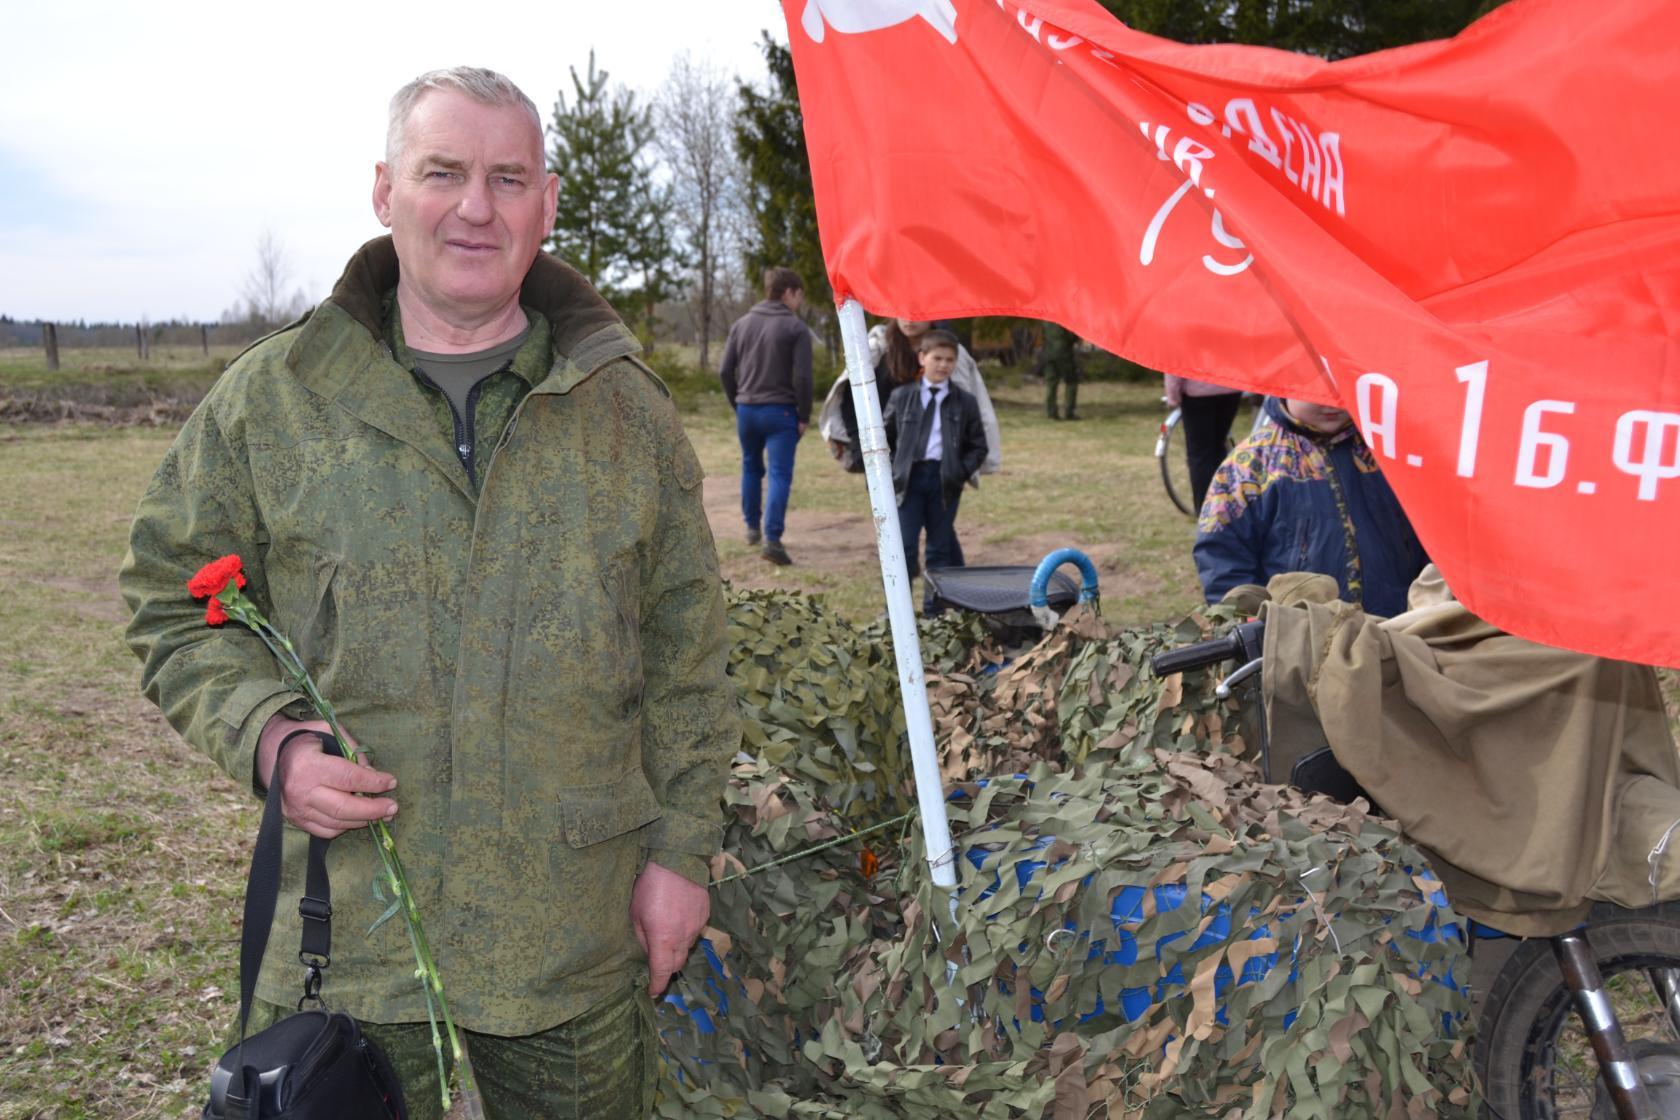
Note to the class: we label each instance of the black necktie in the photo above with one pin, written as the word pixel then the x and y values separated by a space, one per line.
pixel 929 413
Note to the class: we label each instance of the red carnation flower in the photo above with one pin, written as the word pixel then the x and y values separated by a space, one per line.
pixel 216 575
pixel 211 580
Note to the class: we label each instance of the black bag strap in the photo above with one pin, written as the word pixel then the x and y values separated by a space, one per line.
pixel 262 890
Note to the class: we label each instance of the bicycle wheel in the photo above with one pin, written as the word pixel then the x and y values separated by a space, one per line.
pixel 1175 465
pixel 1532 1055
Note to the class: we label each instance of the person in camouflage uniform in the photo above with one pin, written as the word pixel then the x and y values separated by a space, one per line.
pixel 1060 364
pixel 512 598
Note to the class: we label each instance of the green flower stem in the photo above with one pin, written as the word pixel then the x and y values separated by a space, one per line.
pixel 431 982
pixel 814 849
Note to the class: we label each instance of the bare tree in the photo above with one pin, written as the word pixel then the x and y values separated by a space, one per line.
pixel 264 287
pixel 696 114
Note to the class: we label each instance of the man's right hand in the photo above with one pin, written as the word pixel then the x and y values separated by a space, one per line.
pixel 320 792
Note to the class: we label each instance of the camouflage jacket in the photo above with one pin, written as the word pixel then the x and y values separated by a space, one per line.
pixel 541 663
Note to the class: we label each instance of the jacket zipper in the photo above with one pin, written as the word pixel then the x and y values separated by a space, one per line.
pixel 1356 571
pixel 466 444
pixel 505 439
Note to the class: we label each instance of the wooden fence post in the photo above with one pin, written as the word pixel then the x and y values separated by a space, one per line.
pixel 49 332
pixel 204 339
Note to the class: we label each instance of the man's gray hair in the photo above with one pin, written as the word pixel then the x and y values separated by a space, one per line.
pixel 484 86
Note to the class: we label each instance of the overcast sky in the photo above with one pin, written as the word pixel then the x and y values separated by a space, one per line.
pixel 144 148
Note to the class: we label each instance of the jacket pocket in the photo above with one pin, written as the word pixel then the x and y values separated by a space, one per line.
pixel 592 814
pixel 315 631
pixel 592 871
pixel 622 656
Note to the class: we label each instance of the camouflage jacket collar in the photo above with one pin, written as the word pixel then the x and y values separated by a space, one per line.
pixel 343 336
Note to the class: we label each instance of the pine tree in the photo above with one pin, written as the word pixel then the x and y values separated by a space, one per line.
pixel 652 256
pixel 596 144
pixel 1328 28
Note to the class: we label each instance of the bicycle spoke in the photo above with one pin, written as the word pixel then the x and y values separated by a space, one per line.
pixel 1574 1071
pixel 1665 987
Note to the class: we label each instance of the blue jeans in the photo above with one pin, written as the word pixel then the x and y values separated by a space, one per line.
pixel 761 428
pixel 924 507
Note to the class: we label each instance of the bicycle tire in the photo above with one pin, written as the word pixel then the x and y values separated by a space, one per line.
pixel 1532 1058
pixel 1175 463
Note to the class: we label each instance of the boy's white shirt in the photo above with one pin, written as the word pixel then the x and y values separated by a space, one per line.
pixel 936 434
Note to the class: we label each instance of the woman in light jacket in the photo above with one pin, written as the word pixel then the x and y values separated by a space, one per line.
pixel 892 352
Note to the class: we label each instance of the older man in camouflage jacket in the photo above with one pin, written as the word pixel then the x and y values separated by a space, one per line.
pixel 474 511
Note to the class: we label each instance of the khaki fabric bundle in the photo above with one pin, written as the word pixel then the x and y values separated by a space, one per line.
pixel 1538 780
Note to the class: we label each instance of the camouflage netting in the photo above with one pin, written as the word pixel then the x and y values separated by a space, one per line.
pixel 1122 866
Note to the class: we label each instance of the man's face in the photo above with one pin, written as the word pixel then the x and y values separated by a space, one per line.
pixel 468 203
pixel 938 363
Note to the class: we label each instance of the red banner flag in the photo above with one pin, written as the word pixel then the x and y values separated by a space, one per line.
pixel 1473 245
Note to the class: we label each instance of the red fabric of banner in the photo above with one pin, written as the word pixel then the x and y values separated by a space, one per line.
pixel 1473 245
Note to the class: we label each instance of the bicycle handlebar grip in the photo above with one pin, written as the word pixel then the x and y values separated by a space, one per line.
pixel 1211 652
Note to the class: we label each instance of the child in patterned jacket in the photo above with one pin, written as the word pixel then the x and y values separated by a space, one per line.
pixel 1304 494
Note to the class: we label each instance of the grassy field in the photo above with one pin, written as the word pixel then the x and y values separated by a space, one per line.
pixel 123 853
pixel 84 370
pixel 1091 484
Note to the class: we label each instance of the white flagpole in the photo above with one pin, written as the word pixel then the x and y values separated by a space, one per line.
pixel 912 684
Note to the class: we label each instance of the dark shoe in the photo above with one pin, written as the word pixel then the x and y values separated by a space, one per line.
pixel 1054 416
pixel 754 536
pixel 1072 416
pixel 776 554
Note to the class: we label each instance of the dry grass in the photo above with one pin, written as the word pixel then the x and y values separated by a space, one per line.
pixel 121 852
pixel 107 384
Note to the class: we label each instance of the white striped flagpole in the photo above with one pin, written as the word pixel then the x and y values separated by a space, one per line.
pixel 895 577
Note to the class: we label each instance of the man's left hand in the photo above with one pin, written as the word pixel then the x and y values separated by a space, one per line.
pixel 667 912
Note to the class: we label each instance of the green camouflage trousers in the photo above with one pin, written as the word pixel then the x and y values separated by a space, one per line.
pixel 1065 372
pixel 601 1065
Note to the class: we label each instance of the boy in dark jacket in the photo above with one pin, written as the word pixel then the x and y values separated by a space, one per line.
pixel 1303 494
pixel 938 443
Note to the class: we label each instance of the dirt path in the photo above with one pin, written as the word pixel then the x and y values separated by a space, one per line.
pixel 827 547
